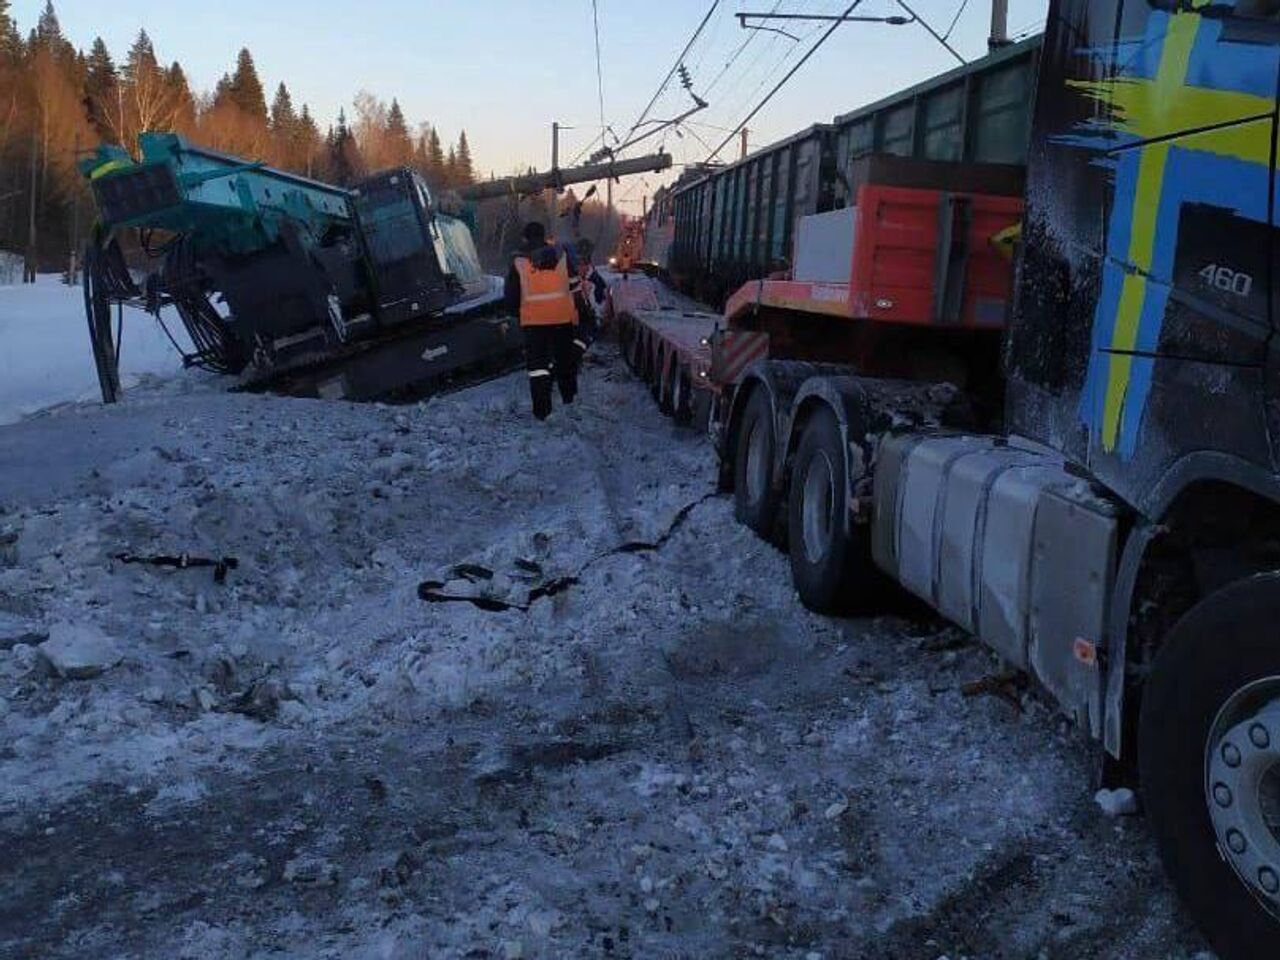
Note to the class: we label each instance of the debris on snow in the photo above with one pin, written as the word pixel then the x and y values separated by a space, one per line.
pixel 311 872
pixel 392 467
pixel 183 561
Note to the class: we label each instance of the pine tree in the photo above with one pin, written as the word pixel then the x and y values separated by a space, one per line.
pixel 282 126
pixel 399 145
pixel 307 137
pixel 101 89
pixel 245 89
pixel 420 162
pixel 435 159
pixel 48 30
pixel 184 111
pixel 283 118
pixel 344 159
pixel 100 69
pixel 150 101
pixel 10 41
pixel 141 60
pixel 48 36
pixel 450 174
pixel 462 169
pixel 395 120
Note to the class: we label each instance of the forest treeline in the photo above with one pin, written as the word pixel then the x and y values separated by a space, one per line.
pixel 58 102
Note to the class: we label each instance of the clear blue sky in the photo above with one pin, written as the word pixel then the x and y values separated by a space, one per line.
pixel 504 69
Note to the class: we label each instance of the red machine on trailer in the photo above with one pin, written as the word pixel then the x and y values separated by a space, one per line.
pixel 920 257
pixel 909 280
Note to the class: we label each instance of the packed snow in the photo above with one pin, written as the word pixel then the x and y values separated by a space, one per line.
pixel 610 731
pixel 45 358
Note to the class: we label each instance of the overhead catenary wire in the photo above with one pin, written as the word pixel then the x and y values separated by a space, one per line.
pixel 767 75
pixel 595 22
pixel 736 54
pixel 697 136
pixel 932 32
pixel 708 45
pixel 674 67
pixel 781 83
pixel 605 129
pixel 956 19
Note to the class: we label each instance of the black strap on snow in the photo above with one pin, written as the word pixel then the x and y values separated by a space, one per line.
pixel 431 590
pixel 183 561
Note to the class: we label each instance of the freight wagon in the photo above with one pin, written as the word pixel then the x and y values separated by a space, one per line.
pixel 738 222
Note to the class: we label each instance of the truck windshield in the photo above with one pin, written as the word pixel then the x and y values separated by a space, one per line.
pixel 391 221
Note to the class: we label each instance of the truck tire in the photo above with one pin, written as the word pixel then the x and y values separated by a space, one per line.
pixel 1209 759
pixel 667 392
pixel 627 343
pixel 822 553
pixel 755 501
pixel 682 396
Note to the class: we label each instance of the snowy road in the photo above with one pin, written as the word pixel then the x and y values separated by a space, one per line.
pixel 667 758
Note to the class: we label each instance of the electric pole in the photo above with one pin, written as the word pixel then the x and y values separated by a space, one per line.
pixel 999 25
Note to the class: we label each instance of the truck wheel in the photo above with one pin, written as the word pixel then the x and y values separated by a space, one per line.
pixel 627 344
pixel 1209 758
pixel 821 551
pixel 658 386
pixel 682 396
pixel 637 351
pixel 755 502
pixel 667 394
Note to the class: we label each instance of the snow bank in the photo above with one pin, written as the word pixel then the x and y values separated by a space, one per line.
pixel 45 357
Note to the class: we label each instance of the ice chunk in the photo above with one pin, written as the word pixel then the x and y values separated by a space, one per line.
pixel 79 651
pixel 1117 803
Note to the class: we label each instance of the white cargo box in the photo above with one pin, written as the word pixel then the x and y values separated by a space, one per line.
pixel 824 247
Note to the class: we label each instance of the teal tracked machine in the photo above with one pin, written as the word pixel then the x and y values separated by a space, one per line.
pixel 283 281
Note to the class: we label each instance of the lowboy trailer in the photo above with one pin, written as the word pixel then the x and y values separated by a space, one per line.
pixel 1091 485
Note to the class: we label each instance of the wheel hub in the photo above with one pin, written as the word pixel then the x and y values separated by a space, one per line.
pixel 756 463
pixel 1242 787
pixel 819 486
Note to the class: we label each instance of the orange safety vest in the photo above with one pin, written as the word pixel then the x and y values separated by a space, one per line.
pixel 545 297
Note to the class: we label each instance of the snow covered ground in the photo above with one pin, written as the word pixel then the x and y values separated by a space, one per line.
pixel 665 757
pixel 45 356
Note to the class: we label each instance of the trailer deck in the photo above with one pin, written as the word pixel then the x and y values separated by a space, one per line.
pixel 666 339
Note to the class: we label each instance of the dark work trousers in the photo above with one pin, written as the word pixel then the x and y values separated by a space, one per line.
pixel 549 352
pixel 584 333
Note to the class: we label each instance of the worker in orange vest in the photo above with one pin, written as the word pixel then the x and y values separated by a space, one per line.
pixel 542 284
